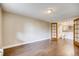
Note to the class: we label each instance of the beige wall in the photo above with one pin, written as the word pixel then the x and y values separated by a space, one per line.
pixel 0 28
pixel 19 29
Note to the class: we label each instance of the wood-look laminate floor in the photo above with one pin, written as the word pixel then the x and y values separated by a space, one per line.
pixel 45 48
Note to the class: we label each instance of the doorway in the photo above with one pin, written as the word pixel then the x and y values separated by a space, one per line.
pixel 66 30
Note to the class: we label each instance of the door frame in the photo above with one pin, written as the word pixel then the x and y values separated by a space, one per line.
pixel 56 31
pixel 74 40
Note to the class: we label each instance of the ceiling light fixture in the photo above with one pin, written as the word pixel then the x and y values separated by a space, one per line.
pixel 50 10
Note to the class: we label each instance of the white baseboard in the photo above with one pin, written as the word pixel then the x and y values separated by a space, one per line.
pixel 19 44
pixel 14 45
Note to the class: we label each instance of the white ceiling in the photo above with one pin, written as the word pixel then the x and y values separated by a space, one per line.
pixel 38 10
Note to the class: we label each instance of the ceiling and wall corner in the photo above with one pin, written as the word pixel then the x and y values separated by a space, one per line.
pixel 61 12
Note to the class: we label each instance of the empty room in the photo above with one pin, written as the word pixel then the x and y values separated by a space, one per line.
pixel 39 29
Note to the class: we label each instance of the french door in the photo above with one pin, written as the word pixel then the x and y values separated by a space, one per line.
pixel 76 31
pixel 54 32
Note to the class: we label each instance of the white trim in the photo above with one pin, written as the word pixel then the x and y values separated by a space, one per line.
pixel 10 46
pixel 19 44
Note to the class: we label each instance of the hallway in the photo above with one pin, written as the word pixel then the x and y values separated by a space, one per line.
pixel 45 48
